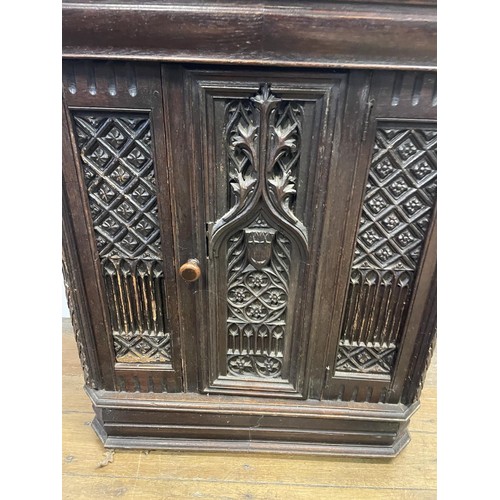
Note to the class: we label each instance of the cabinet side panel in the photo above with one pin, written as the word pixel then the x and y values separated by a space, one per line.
pixel 397 208
pixel 77 306
pixel 115 116
pixel 393 248
pixel 423 351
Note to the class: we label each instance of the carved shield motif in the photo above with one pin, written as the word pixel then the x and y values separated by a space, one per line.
pixel 259 246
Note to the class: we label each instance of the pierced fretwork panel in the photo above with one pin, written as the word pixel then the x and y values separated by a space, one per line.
pixel 258 275
pixel 117 162
pixel 397 209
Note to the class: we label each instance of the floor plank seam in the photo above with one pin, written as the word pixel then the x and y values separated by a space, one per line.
pixel 249 482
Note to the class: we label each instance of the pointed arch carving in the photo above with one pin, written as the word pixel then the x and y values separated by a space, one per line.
pixel 262 139
pixel 262 136
pixel 264 149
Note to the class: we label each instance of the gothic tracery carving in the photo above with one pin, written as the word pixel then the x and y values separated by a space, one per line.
pixel 399 199
pixel 117 162
pixel 263 135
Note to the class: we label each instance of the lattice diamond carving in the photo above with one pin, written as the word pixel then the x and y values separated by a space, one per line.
pixel 400 195
pixel 365 359
pixel 119 174
pixel 142 348
pixel 383 168
pixel 399 198
pixel 115 149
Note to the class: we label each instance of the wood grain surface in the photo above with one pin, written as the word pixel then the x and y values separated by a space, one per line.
pixel 382 34
pixel 161 475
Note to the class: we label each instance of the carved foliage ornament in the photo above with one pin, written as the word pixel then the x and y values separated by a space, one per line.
pixel 263 136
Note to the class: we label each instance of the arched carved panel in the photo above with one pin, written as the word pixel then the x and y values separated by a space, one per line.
pixel 262 151
pixel 262 138
pixel 258 285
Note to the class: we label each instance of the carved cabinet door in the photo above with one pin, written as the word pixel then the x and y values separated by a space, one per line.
pixel 253 154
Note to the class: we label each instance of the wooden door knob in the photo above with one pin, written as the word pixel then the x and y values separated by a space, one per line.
pixel 190 270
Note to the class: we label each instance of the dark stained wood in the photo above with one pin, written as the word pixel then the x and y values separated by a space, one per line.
pixel 424 347
pixel 185 186
pixel 250 251
pixel 78 254
pixel 98 91
pixel 77 304
pixel 149 475
pixel 397 99
pixel 196 421
pixel 315 34
pixel 322 101
pixel 333 267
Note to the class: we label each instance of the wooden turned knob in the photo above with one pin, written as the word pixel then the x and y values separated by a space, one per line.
pixel 190 270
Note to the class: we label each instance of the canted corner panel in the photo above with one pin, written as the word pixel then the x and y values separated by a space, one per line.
pixel 259 235
pixel 396 213
pixel 88 376
pixel 422 350
pixel 116 157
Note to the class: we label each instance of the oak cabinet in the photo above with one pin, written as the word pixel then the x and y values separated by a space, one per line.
pixel 249 252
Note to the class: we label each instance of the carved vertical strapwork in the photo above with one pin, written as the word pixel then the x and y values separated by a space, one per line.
pixel 397 209
pixel 116 156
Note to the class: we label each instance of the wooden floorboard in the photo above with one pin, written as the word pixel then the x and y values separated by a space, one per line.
pixel 247 476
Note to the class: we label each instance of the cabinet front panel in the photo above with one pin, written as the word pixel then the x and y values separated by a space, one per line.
pixel 265 142
pixel 307 198
pixel 117 165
